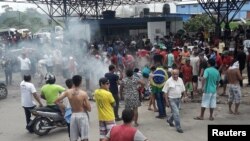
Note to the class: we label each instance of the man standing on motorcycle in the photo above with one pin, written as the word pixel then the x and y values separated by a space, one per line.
pixel 78 99
pixel 27 91
pixel 50 92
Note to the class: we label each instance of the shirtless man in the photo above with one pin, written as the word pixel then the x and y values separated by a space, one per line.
pixel 78 99
pixel 233 77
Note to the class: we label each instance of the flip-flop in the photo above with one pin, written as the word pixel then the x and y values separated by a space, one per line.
pixel 237 113
pixel 198 118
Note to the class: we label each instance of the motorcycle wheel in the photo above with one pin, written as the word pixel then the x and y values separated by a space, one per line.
pixel 39 123
pixel 3 92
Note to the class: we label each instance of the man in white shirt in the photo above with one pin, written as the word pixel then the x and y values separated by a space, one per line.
pixel 28 91
pixel 194 62
pixel 24 64
pixel 173 89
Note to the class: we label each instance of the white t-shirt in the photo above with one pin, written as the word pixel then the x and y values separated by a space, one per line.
pixel 25 63
pixel 27 90
pixel 194 63
pixel 174 88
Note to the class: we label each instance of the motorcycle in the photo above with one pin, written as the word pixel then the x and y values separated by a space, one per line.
pixel 46 119
pixel 3 90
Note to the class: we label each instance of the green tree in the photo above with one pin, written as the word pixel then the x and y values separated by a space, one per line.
pixel 30 19
pixel 194 23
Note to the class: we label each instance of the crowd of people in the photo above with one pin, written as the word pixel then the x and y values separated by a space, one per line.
pixel 169 70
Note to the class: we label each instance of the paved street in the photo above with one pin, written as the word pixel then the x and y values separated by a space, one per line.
pixel 12 123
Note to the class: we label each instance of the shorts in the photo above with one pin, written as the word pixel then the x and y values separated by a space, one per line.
pixel 195 78
pixel 79 126
pixel 234 93
pixel 208 100
pixel 189 86
pixel 104 127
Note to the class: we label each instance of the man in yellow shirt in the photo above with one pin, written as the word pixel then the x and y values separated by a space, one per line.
pixel 104 102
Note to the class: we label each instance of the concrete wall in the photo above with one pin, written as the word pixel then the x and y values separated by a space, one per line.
pixel 175 26
pixel 156 29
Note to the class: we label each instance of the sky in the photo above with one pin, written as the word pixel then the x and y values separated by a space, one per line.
pixel 157 7
pixel 17 6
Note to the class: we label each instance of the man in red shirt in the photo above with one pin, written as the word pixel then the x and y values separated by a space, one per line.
pixel 114 59
pixel 125 132
pixel 128 61
pixel 226 62
pixel 187 72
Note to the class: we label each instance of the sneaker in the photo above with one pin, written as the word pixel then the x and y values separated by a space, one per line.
pixel 30 130
pixel 170 123
pixel 160 117
pixel 118 119
pixel 179 130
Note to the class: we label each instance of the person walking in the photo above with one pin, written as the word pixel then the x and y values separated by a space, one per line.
pixel 173 89
pixel 28 91
pixel 131 95
pixel 211 78
pixel 157 82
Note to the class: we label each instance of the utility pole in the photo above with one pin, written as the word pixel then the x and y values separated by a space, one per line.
pixel 65 14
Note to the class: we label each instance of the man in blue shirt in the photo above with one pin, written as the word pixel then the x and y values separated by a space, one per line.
pixel 113 88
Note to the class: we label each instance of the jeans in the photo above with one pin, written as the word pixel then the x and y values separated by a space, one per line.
pixel 175 115
pixel 248 72
pixel 116 107
pixel 8 77
pixel 68 128
pixel 160 103
pixel 28 115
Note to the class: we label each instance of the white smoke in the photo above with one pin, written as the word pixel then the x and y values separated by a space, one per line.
pixel 75 43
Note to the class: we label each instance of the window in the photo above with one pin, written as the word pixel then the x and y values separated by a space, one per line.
pixel 183 6
pixel 196 5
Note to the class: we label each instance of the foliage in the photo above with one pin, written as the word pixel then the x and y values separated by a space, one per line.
pixel 195 23
pixel 30 19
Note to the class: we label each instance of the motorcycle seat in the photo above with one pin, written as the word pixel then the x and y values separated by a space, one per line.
pixel 46 109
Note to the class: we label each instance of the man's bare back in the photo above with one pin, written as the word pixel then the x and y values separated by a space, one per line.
pixel 78 100
pixel 233 76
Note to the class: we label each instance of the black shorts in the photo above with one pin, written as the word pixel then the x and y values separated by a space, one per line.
pixel 195 78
